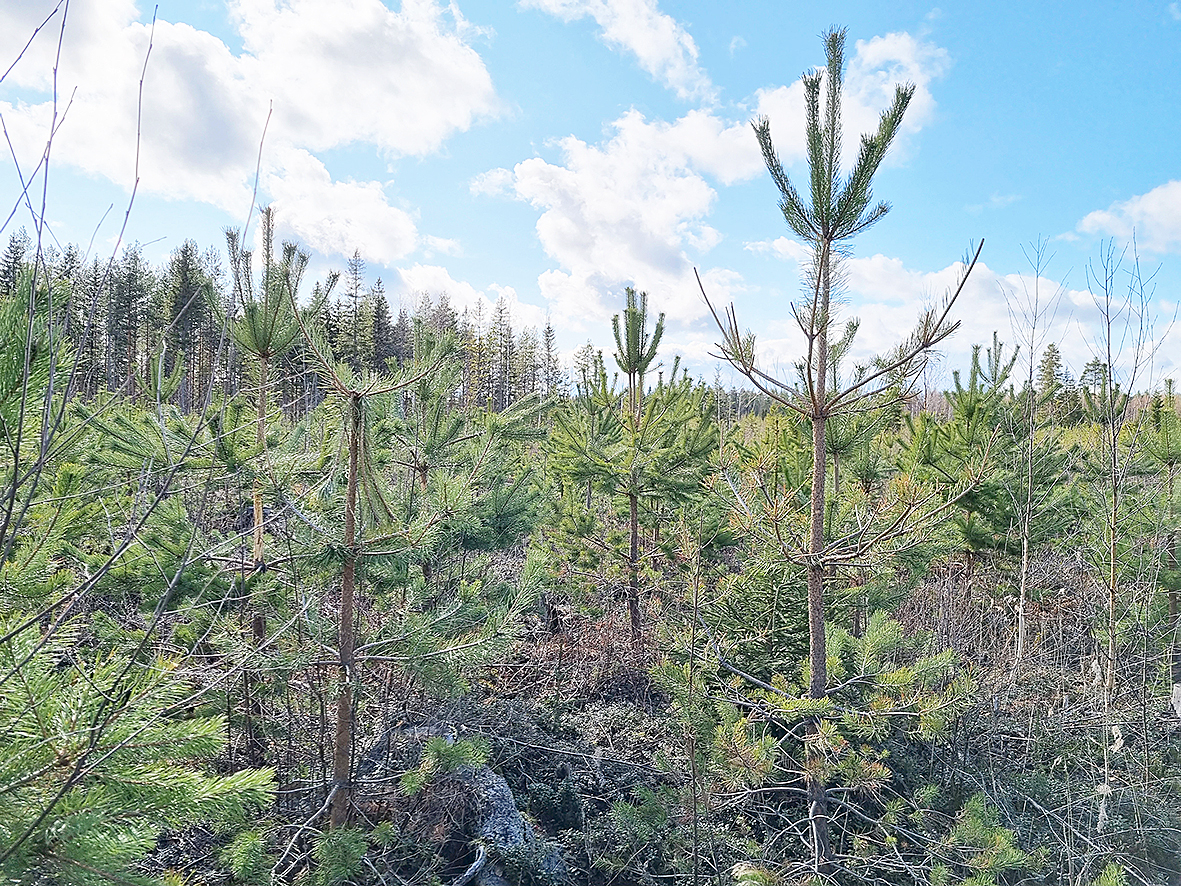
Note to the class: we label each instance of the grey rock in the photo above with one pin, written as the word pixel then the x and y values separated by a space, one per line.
pixel 504 829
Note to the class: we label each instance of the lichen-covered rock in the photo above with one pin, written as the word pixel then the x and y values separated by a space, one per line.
pixel 509 838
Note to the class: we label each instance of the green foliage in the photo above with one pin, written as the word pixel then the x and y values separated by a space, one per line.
pixel 525 865
pixel 338 855
pixel 641 835
pixel 130 612
pixel 1112 875
pixel 649 457
pixel 248 859
pixel 98 757
pixel 441 756
pixel 947 452
pixel 635 347
pixel 267 327
pixel 985 852
pixel 159 384
pixel 839 208
pixel 742 754
pixel 26 363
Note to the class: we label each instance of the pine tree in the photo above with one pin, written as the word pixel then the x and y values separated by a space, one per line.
pixel 96 764
pixel 266 330
pixel 353 333
pixel 1058 395
pixel 1094 374
pixel 1164 447
pixel 1051 374
pixel 88 310
pixel 526 366
pixel 587 360
pixel 987 512
pixel 100 748
pixel 411 419
pixel 479 363
pixel 635 351
pixel 841 208
pixel 653 455
pixel 635 347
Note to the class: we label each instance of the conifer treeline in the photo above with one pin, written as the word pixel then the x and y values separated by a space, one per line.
pixel 121 315
pixel 126 319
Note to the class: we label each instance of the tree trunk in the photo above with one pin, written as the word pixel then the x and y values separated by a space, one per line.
pixel 1174 620
pixel 1026 521
pixel 255 746
pixel 817 647
pixel 342 751
pixel 633 570
pixel 1112 587
pixel 260 440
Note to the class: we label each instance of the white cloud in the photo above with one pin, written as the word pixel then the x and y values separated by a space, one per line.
pixel 659 42
pixel 338 72
pixel 724 150
pixel 632 211
pixel 492 183
pixel 1154 218
pixel 200 123
pixel 345 71
pixel 444 245
pixel 337 216
pixel 435 281
pixel 91 30
pixel 781 247
pixel 878 65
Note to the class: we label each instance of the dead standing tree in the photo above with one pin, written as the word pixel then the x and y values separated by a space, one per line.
pixel 840 209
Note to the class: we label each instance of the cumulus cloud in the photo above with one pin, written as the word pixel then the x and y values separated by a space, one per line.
pixel 1154 218
pixel 200 124
pixel 659 42
pixel 631 211
pixel 337 72
pixel 345 71
pixel 337 216
pixel 492 182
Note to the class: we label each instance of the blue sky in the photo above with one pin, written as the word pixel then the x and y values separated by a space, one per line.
pixel 553 152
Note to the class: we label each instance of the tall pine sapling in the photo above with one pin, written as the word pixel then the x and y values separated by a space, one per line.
pixel 841 207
